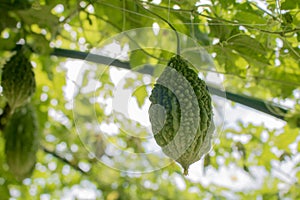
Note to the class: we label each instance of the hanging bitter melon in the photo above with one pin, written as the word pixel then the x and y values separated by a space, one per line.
pixel 21 141
pixel 18 81
pixel 181 113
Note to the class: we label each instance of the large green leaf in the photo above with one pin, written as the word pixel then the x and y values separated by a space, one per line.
pixel 249 48
pixel 219 30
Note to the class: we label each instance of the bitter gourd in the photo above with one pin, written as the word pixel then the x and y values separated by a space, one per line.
pixel 21 141
pixel 18 81
pixel 181 113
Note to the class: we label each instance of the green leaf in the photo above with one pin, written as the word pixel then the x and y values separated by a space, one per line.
pixel 140 94
pixel 41 16
pixel 39 44
pixel 293 118
pixel 47 65
pixel 288 18
pixel 129 83
pixel 184 4
pixel 289 4
pixel 8 22
pixel 231 62
pixel 227 3
pixel 137 58
pixel 219 29
pixel 202 37
pixel 4 192
pixel 249 48
pixel 7 44
pixel 246 45
pixel 266 157
pixel 249 17
pixel 286 138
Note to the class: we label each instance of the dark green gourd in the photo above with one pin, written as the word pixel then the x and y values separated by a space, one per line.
pixel 18 81
pixel 181 113
pixel 21 141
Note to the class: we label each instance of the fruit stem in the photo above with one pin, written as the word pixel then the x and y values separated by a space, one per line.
pixel 171 26
pixel 185 171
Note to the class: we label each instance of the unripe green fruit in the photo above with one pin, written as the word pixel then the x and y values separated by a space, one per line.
pixel 18 80
pixel 181 113
pixel 21 141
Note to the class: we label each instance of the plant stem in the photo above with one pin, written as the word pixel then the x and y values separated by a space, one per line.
pixel 63 159
pixel 171 26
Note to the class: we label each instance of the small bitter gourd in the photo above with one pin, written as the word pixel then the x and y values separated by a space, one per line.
pixel 18 81
pixel 21 141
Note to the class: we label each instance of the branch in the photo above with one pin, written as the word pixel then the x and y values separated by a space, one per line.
pixel 63 159
pixel 251 102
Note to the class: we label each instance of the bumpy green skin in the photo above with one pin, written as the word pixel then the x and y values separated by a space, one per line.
pixel 181 113
pixel 18 80
pixel 21 141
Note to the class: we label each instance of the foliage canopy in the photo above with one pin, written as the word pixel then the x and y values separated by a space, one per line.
pixel 255 46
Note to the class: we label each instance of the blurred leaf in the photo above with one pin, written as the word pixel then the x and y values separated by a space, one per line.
pixel 140 94
pixel 249 48
pixel 286 138
pixel 288 18
pixel 4 192
pixel 9 22
pixel 241 149
pixel 39 44
pixel 138 58
pixel 206 163
pixel 284 156
pixel 249 17
pixel 289 4
pixel 230 60
pixel 8 44
pixel 41 16
pixel 219 30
